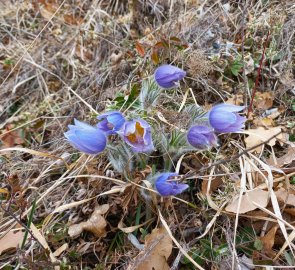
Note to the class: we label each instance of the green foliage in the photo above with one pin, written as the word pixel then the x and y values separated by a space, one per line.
pixel 129 101
pixel 236 67
pixel 150 91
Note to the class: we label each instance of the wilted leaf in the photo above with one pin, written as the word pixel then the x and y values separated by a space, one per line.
pixel 71 19
pixel 260 134
pixel 236 100
pixel 158 247
pixel 11 241
pixel 215 184
pixel 140 49
pixel 258 196
pixel 268 241
pixel 155 57
pixel 283 196
pixel 285 159
pixel 264 100
pixel 96 224
pixel 12 138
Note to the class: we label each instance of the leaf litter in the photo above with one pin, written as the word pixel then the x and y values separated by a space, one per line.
pixel 87 57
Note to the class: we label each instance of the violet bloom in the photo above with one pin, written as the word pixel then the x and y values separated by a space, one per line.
pixel 202 137
pixel 168 188
pixel 167 76
pixel 86 138
pixel 137 133
pixel 224 118
pixel 110 122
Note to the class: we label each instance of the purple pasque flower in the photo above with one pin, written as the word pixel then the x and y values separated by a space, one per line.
pixel 167 76
pixel 110 122
pixel 86 138
pixel 224 118
pixel 137 133
pixel 202 137
pixel 166 187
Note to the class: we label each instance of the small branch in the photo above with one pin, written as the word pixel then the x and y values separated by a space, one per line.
pixel 258 75
pixel 244 152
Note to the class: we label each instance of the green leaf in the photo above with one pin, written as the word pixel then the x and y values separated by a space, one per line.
pixel 258 244
pixel 236 67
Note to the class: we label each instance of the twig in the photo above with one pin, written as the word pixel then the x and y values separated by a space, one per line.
pixel 243 152
pixel 258 75
pixel 20 223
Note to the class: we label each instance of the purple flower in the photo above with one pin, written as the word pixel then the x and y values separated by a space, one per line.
pixel 201 137
pixel 167 188
pixel 224 118
pixel 167 76
pixel 137 133
pixel 86 138
pixel 110 122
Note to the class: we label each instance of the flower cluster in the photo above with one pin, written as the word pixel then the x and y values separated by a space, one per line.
pixel 137 133
pixel 93 140
pixel 222 118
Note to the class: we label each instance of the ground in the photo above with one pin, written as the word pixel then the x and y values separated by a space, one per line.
pixel 63 209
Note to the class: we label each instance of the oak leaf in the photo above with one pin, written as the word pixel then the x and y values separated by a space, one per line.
pixel 95 224
pixel 158 247
pixel 257 196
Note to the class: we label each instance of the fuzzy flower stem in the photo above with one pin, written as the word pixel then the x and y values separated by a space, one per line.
pixel 258 75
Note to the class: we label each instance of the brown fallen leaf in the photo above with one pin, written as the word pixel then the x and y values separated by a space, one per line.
pixel 158 247
pixel 95 224
pixel 268 241
pixel 285 159
pixel 11 138
pixel 258 196
pixel 215 184
pixel 236 99
pixel 11 241
pixel 260 134
pixel 283 196
pixel 264 100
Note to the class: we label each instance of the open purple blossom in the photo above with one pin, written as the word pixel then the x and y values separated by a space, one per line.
pixel 224 118
pixel 167 187
pixel 137 133
pixel 167 76
pixel 110 122
pixel 202 137
pixel 86 138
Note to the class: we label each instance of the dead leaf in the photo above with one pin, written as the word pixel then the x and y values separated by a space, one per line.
pixel 268 241
pixel 11 241
pixel 95 224
pixel 290 211
pixel 258 196
pixel 285 159
pixel 158 247
pixel 215 184
pixel 236 100
pixel 260 134
pixel 73 20
pixel 264 100
pixel 140 49
pixel 263 122
pixel 11 138
pixel 61 249
pixel 285 197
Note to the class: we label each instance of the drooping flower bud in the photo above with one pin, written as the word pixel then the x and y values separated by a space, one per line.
pixel 167 76
pixel 224 118
pixel 86 138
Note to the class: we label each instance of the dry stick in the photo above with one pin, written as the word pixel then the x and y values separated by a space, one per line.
pixel 27 229
pixel 258 75
pixel 244 152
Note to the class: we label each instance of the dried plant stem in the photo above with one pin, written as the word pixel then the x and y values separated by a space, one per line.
pixel 258 75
